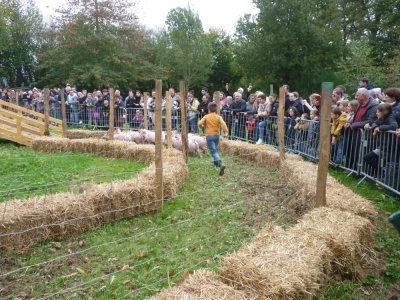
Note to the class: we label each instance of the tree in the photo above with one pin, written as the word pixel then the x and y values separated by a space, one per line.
pixel 94 44
pixel 290 43
pixel 186 51
pixel 222 69
pixel 20 26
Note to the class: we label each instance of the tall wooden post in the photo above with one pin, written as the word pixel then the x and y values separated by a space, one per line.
pixel 63 112
pixel 145 110
pixel 158 131
pixel 46 112
pixel 281 123
pixel 111 116
pixel 168 106
pixel 217 101
pixel 184 129
pixel 325 138
pixel 17 97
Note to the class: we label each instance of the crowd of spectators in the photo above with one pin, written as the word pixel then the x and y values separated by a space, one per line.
pixel 249 116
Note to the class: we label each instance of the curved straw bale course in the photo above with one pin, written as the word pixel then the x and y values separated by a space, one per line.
pixel 302 176
pixel 295 264
pixel 25 222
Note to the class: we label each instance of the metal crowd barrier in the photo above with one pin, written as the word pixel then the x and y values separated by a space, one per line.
pixel 359 152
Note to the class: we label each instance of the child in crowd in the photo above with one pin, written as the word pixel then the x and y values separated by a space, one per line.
pixel 339 118
pixel 214 123
pixel 344 105
pixel 251 123
pixel 301 129
pixel 351 110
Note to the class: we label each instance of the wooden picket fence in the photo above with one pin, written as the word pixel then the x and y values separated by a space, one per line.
pixel 22 125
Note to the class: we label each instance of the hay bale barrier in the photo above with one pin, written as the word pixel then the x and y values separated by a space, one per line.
pixel 114 149
pixel 84 134
pixel 279 265
pixel 347 235
pixel 202 284
pixel 24 223
pixel 328 242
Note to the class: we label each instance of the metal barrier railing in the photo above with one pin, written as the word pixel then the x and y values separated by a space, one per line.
pixel 376 157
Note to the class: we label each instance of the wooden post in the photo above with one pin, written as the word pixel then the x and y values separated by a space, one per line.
pixel 325 139
pixel 111 121
pixel 217 101
pixel 145 111
pixel 271 89
pixel 168 118
pixel 281 124
pixel 184 130
pixel 158 131
pixel 46 112
pixel 63 112
pixel 17 97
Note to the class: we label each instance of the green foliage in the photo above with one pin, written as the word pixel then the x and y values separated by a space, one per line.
pixel 184 50
pixel 97 43
pixel 288 43
pixel 223 69
pixel 20 26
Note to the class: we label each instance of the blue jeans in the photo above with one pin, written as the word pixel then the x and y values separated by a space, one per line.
pixel 261 130
pixel 212 144
pixel 193 124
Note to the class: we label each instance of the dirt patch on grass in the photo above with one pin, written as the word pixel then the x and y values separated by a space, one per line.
pixel 268 197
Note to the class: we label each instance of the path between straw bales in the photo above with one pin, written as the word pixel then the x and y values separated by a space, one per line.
pixel 263 197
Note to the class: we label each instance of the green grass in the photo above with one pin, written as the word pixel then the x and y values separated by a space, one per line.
pixel 212 216
pixel 25 173
pixel 384 282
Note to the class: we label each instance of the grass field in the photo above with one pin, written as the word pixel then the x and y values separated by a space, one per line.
pixel 25 173
pixel 212 216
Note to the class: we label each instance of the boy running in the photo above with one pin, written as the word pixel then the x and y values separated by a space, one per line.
pixel 213 124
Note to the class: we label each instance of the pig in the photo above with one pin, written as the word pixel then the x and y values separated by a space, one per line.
pixel 200 140
pixel 176 142
pixel 193 147
pixel 137 137
pixel 149 136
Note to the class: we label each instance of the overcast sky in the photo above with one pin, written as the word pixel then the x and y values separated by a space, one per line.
pixel 213 13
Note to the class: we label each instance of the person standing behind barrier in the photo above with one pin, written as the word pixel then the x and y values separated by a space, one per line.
pixel 214 123
pixel 365 114
pixel 296 103
pixel 118 110
pixel 238 110
pixel 226 112
pixel 151 105
pixel 392 97
pixel 72 102
pixel 385 122
pixel 301 129
pixel 262 114
pixel 290 123
pixel 192 105
pixel 339 118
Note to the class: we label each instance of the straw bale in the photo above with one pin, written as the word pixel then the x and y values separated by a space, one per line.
pixel 279 265
pixel 263 155
pixel 84 134
pixel 302 176
pixel 94 204
pixel 115 149
pixel 348 236
pixel 202 284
